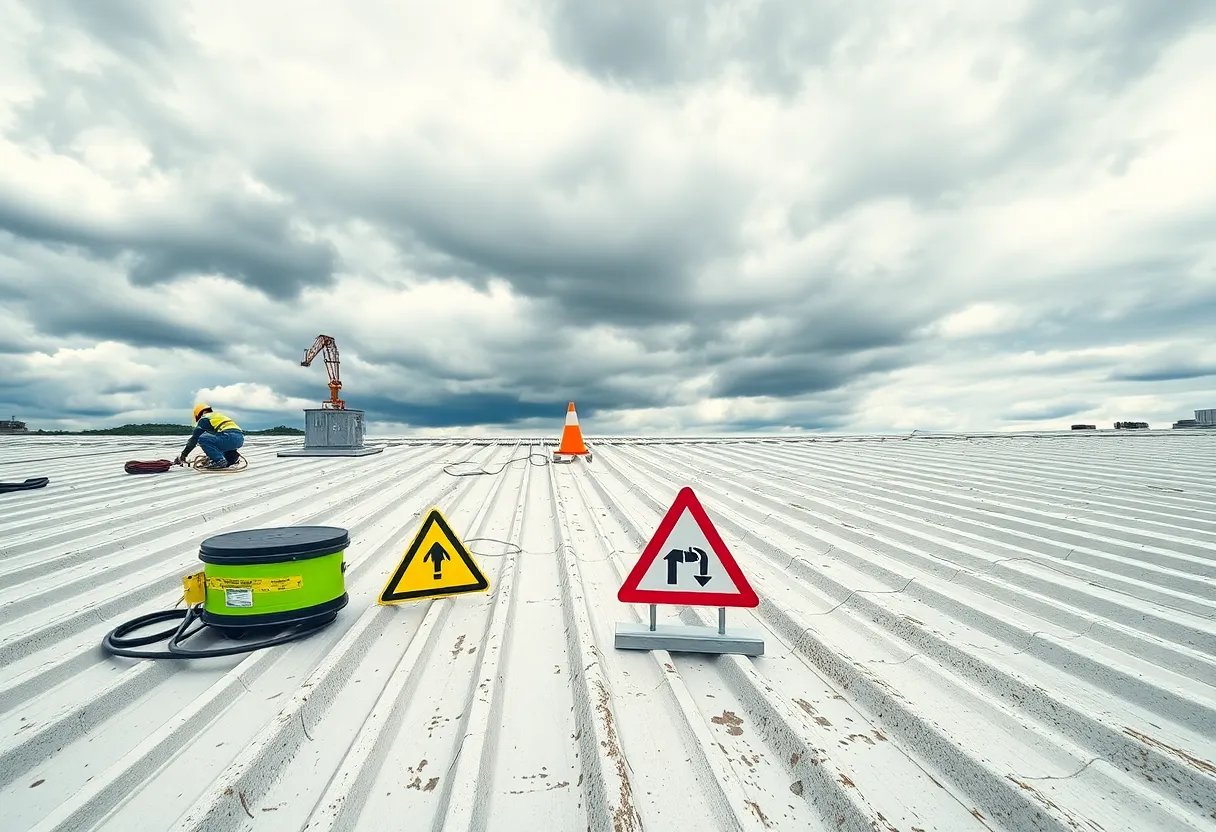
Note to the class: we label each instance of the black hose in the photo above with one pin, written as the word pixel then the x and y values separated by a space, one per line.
pixel 117 643
pixel 29 485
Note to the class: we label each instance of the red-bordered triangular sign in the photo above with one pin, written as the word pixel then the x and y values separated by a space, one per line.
pixel 687 562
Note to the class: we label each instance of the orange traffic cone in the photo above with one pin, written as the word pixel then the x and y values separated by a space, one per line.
pixel 572 437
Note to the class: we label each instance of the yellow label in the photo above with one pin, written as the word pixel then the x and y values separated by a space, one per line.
pixel 257 584
pixel 195 590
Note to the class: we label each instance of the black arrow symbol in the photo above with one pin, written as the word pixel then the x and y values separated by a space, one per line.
pixel 437 555
pixel 691 555
pixel 674 558
pixel 703 578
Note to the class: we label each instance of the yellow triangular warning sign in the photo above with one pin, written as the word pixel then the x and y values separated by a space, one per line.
pixel 435 564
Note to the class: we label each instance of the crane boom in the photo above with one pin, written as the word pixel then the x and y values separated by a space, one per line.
pixel 330 347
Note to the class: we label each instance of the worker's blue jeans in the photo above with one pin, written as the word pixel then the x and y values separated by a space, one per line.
pixel 215 444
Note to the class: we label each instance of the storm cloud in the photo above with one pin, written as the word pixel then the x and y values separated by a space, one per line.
pixel 684 42
pixel 682 216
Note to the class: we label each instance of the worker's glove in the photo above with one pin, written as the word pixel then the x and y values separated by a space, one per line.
pixel 179 460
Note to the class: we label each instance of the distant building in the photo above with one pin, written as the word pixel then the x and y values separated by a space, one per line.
pixel 13 426
pixel 1203 419
pixel 1131 425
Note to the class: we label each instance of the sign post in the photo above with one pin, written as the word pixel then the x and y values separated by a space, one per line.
pixel 686 562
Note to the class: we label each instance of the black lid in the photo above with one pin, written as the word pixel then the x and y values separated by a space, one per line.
pixel 270 545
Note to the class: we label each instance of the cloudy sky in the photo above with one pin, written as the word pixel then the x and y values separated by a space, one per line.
pixel 724 216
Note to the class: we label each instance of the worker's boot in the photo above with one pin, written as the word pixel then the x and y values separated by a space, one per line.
pixel 233 457
pixel 215 464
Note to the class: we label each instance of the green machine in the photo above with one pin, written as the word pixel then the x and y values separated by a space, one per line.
pixel 289 579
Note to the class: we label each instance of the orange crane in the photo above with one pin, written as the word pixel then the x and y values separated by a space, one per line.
pixel 330 346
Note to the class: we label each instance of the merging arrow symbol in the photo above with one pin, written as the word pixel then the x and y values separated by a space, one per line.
pixel 692 554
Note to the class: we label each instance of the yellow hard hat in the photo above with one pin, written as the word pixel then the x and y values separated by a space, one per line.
pixel 198 410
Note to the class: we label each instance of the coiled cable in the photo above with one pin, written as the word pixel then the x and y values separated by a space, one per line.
pixel 117 643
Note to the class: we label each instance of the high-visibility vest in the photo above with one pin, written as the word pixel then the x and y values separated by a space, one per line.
pixel 220 422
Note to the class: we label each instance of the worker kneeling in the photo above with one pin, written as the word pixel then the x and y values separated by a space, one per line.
pixel 217 435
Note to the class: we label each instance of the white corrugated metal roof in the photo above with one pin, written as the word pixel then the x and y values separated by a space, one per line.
pixel 961 633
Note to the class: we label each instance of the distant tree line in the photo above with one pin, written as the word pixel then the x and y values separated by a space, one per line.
pixel 161 430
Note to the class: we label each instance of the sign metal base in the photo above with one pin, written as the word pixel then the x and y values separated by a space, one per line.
pixel 686 638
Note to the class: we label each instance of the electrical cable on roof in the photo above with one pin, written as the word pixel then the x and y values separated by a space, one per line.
pixel 116 642
pixel 518 550
pixel 160 466
pixel 200 464
pixel 482 470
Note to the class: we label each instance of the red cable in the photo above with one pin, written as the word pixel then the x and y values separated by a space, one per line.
pixel 158 466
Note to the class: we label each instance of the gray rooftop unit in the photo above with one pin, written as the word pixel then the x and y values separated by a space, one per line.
pixel 332 432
